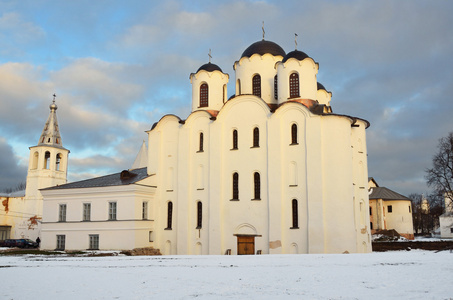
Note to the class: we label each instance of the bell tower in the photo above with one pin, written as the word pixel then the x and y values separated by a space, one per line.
pixel 48 166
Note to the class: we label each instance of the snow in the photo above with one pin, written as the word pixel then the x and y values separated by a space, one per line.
pixel 386 275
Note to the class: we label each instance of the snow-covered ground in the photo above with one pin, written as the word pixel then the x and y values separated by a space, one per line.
pixel 387 275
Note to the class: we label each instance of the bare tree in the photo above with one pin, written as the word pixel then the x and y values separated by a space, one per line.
pixel 18 187
pixel 440 176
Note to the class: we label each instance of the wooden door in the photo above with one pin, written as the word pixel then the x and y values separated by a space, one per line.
pixel 246 245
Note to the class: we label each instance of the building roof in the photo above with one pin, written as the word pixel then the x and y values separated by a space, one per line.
pixel 263 47
pixel 122 178
pixel 386 194
pixel 50 135
pixel 210 68
pixel 299 55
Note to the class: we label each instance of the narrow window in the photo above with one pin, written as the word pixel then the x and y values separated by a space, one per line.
pixel 238 87
pixel 46 160
pixel 257 184
pixel 35 161
pixel 235 186
pixel 256 137
pixel 275 87
pixel 169 214
pixel 294 134
pixel 204 95
pixel 451 230
pixel 151 236
pixel 295 214
pixel 112 211
pixel 409 208
pixel 86 211
pixel 371 211
pixel 224 92
pixel 200 148
pixel 235 139
pixel 61 241
pixel 294 85
pixel 62 213
pixel 371 225
pixel 389 208
pixel 57 162
pixel 199 214
pixel 256 82
pixel 145 210
pixel 94 242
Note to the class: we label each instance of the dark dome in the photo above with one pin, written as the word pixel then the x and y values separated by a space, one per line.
pixel 263 47
pixel 210 68
pixel 321 87
pixel 299 55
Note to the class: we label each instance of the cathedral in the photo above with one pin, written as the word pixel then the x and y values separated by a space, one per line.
pixel 269 170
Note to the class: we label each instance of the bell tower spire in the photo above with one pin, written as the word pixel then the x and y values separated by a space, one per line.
pixel 50 135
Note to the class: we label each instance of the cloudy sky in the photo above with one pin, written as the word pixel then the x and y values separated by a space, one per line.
pixel 118 66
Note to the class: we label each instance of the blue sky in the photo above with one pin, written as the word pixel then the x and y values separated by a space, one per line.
pixel 118 67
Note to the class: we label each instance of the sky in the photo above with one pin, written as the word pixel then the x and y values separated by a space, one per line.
pixel 117 67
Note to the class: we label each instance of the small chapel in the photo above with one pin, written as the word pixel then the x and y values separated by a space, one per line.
pixel 270 170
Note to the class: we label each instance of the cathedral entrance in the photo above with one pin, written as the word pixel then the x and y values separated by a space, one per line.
pixel 246 245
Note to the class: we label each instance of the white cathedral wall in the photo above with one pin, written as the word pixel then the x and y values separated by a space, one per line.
pixel 307 70
pixel 340 234
pixel 360 181
pixel 264 65
pixel 327 210
pixel 216 93
pixel 246 216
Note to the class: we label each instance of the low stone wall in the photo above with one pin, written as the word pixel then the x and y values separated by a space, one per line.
pixel 393 246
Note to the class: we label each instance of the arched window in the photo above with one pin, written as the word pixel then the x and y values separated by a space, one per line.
pixel 256 137
pixel 235 186
pixel 204 95
pixel 200 149
pixel 294 134
pixel 34 165
pixel 57 162
pixel 235 139
pixel 275 87
pixel 257 85
pixel 295 214
pixel 257 183
pixel 199 214
pixel 169 214
pixel 46 160
pixel 294 85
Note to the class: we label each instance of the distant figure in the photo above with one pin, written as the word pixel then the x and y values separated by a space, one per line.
pixel 38 240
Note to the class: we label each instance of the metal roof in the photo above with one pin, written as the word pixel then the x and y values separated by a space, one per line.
pixel 122 178
pixel 386 194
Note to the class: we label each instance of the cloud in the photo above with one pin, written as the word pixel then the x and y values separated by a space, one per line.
pixel 12 172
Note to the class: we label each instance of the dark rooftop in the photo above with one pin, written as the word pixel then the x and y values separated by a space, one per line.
pixel 209 67
pixel 263 47
pixel 386 194
pixel 299 55
pixel 121 178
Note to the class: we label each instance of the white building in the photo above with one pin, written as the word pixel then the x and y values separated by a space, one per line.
pixel 446 219
pixel 390 210
pixel 21 212
pixel 269 170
